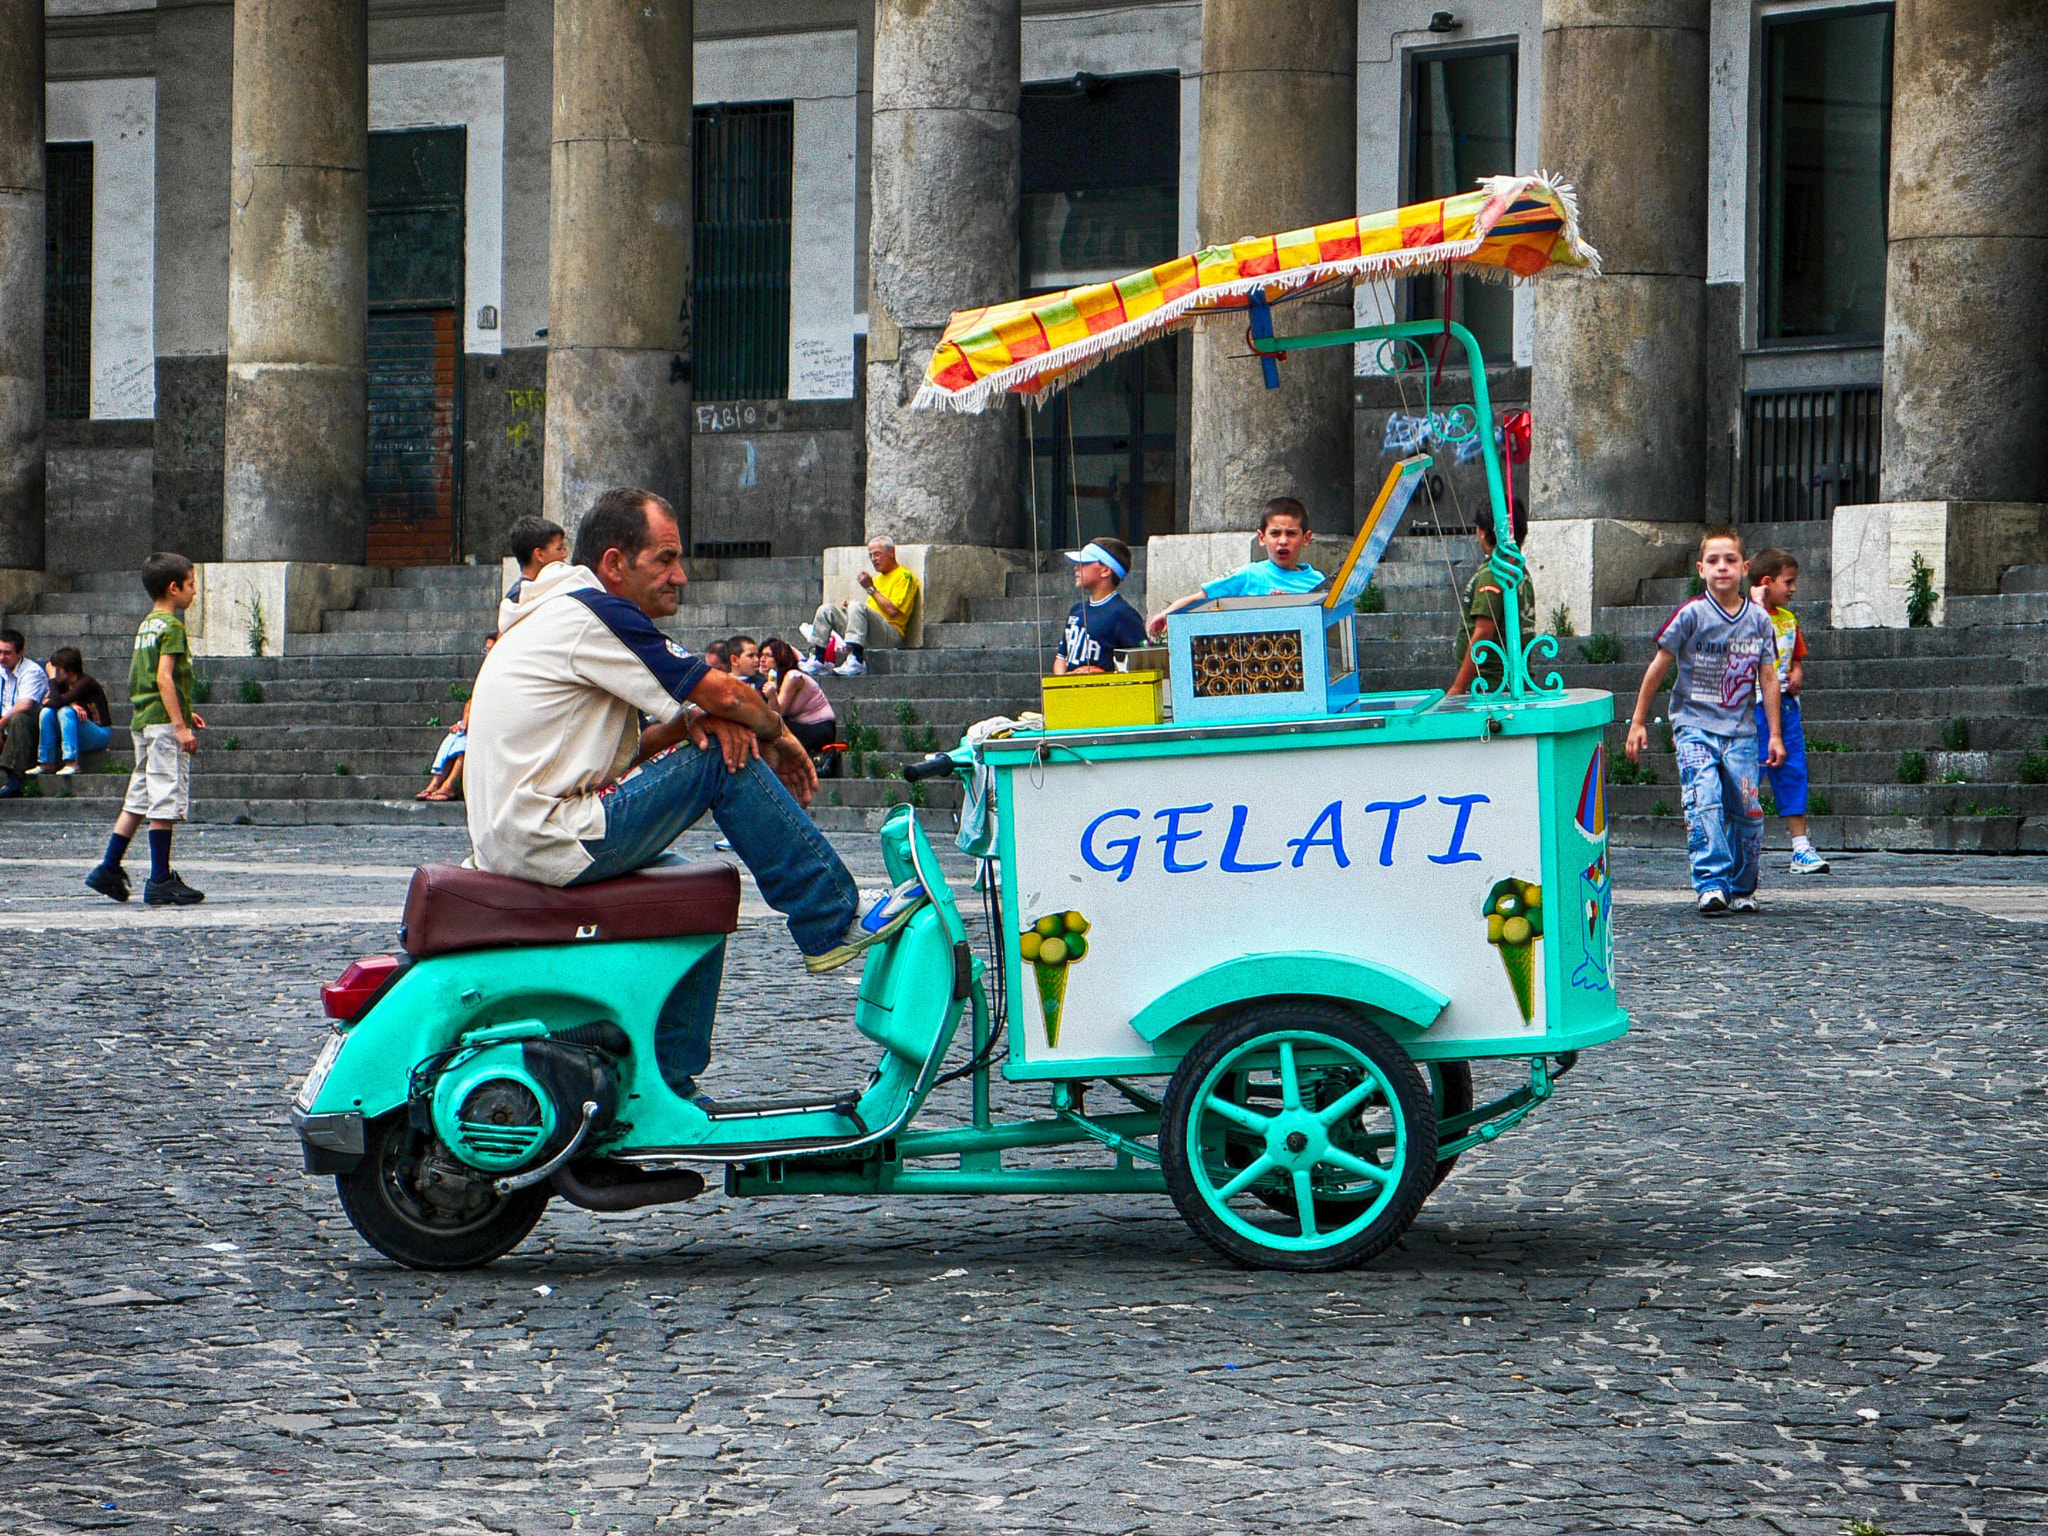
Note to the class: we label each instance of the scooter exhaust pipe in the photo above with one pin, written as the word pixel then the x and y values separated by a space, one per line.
pixel 613 1187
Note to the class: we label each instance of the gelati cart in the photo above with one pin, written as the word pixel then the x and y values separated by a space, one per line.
pixel 1255 959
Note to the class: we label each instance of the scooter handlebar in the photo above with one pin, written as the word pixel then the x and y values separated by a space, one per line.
pixel 938 766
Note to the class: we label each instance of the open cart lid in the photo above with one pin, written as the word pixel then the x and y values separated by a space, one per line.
pixel 1512 228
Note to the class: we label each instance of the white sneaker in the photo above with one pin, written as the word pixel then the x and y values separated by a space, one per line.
pixel 67 769
pixel 853 666
pixel 809 638
pixel 1806 861
pixel 29 773
pixel 1713 904
pixel 815 667
pixel 885 912
pixel 1744 905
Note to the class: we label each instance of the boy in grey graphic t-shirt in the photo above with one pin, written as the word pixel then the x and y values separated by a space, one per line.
pixel 1724 647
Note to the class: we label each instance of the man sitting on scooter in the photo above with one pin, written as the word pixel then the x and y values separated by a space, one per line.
pixel 565 787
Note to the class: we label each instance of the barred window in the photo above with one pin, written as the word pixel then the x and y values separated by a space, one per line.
pixel 740 286
pixel 67 281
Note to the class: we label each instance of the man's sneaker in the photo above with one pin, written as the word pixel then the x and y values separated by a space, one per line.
pixel 170 892
pixel 1713 904
pixel 810 638
pixel 1744 905
pixel 110 880
pixel 887 911
pixel 1805 861
pixel 853 666
pixel 815 667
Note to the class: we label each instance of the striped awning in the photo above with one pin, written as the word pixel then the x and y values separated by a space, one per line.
pixel 1512 228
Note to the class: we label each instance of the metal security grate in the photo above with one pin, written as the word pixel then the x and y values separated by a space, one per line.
pixel 1807 451
pixel 415 359
pixel 67 281
pixel 740 290
pixel 733 549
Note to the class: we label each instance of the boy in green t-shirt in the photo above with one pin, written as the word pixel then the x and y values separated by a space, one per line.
pixel 160 788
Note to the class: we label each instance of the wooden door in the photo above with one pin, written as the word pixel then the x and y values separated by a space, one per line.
pixel 413 482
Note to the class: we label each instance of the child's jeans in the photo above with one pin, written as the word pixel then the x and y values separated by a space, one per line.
pixel 1724 819
pixel 1788 779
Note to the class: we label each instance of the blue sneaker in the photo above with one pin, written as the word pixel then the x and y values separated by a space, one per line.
pixel 1805 861
pixel 886 913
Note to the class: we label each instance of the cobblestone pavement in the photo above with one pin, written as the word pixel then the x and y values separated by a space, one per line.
pixel 1773 1264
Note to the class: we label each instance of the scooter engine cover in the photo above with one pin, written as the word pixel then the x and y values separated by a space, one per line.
pixel 513 1104
pixel 492 1113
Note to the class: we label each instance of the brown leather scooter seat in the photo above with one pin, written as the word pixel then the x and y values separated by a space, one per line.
pixel 450 909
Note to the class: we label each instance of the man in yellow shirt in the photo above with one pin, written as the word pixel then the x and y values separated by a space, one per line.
pixel 892 592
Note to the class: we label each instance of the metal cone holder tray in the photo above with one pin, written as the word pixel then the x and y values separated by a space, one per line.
pixel 1262 658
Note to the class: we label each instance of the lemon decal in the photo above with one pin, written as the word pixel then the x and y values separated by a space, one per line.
pixel 1514 922
pixel 1052 945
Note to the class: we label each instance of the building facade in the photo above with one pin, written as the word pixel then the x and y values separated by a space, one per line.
pixel 361 281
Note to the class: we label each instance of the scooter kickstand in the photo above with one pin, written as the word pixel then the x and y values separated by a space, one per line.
pixel 532 1176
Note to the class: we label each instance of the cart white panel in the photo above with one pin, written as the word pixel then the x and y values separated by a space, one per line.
pixel 1180 863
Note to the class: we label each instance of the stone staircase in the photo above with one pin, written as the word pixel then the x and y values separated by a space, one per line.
pixel 343 728
pixel 1919 739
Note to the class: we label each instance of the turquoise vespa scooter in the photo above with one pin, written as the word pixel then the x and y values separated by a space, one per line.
pixel 525 1043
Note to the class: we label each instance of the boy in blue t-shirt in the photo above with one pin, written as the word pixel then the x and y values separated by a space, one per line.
pixel 1284 535
pixel 1724 647
pixel 1102 623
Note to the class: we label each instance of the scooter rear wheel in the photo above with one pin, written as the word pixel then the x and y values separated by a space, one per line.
pixel 385 1201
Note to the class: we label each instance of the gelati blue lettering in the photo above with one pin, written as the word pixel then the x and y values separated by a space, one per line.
pixel 1173 836
pixel 1231 844
pixel 1126 857
pixel 1458 853
pixel 1393 808
pixel 1333 817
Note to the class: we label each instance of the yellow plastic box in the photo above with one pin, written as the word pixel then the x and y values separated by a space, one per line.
pixel 1093 700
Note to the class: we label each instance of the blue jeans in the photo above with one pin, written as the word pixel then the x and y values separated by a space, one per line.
pixel 1724 819
pixel 795 867
pixel 63 727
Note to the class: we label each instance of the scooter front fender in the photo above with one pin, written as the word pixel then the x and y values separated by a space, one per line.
pixel 435 1002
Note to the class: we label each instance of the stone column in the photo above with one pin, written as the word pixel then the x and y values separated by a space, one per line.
pixel 943 236
pixel 21 287
pixel 1966 279
pixel 1964 483
pixel 1279 130
pixel 1618 388
pixel 619 256
pixel 195 50
pixel 298 286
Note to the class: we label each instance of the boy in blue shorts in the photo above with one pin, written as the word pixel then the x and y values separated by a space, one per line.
pixel 1773 583
pixel 1284 536
pixel 1102 622
pixel 1721 643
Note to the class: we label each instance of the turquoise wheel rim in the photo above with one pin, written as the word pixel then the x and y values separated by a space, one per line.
pixel 1306 1146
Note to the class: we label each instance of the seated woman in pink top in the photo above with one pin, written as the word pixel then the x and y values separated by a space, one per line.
pixel 800 701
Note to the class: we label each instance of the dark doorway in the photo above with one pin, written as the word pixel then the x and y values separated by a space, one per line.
pixel 414 480
pixel 67 281
pixel 1461 126
pixel 1101 198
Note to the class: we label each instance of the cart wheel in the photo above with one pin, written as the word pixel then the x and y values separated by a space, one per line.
pixel 1309 1103
pixel 1450 1090
pixel 1450 1093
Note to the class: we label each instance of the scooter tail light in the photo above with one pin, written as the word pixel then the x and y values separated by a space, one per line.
pixel 349 998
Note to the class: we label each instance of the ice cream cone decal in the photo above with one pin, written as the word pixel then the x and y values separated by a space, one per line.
pixel 1052 945
pixel 1514 922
